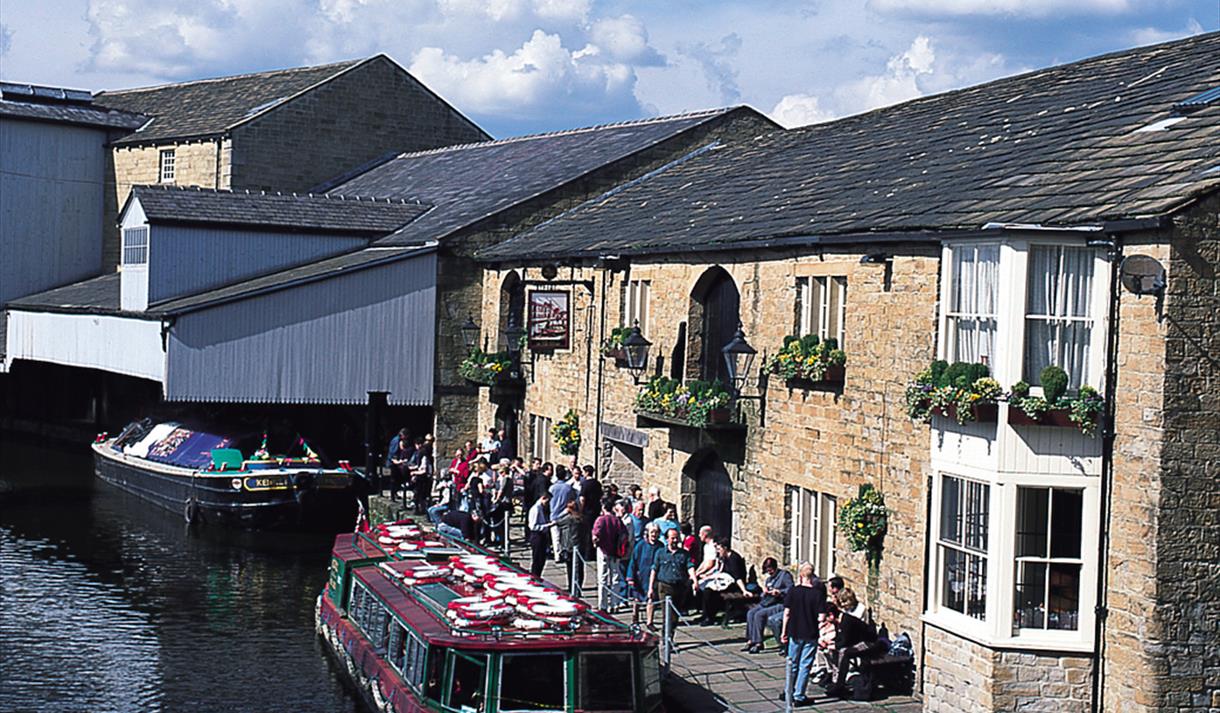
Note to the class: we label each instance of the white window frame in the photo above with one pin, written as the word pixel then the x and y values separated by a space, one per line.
pixel 167 166
pixel 540 437
pixel 812 529
pixel 816 295
pixel 948 314
pixel 135 246
pixel 637 303
pixel 1009 364
pixel 996 628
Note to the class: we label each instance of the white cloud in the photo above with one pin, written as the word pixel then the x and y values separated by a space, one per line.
pixel 1017 8
pixel 541 75
pixel 799 110
pixel 626 40
pixel 1154 35
pixel 719 63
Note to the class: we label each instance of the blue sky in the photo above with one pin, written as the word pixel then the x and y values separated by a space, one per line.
pixel 523 66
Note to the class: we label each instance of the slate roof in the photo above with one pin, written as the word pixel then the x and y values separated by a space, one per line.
pixel 67 106
pixel 208 107
pixel 473 181
pixel 290 211
pixel 99 295
pixel 1056 147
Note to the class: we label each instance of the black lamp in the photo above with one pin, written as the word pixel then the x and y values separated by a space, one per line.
pixel 636 347
pixel 512 338
pixel 738 357
pixel 470 333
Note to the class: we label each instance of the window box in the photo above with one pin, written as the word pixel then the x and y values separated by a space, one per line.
pixel 1057 417
pixel 697 404
pixel 717 419
pixel 484 369
pixel 832 377
pixel 982 412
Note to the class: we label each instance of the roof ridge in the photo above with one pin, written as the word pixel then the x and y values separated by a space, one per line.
pixel 645 121
pixel 265 73
pixel 1012 79
pixel 289 194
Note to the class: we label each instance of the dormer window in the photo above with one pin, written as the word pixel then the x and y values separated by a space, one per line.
pixel 167 166
pixel 135 246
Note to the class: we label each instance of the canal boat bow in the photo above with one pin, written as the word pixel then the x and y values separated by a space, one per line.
pixel 422 622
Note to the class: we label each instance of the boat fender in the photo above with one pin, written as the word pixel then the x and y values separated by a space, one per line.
pixel 190 511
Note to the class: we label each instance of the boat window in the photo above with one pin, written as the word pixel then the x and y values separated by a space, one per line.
pixel 396 649
pixel 652 679
pixel 466 677
pixel 435 669
pixel 532 682
pixel 606 682
pixel 413 661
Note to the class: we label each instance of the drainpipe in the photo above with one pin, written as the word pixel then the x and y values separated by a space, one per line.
pixel 601 377
pixel 1101 611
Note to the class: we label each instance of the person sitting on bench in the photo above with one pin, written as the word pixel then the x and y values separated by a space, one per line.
pixel 730 579
pixel 854 639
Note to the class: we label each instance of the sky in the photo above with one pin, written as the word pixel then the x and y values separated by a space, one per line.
pixel 528 66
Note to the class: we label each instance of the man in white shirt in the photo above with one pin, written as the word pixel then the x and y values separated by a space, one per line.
pixel 489 446
pixel 539 523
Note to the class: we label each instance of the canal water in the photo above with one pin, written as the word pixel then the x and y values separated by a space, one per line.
pixel 107 604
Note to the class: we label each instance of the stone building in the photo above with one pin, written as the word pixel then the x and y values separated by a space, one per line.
pixel 1064 218
pixel 286 130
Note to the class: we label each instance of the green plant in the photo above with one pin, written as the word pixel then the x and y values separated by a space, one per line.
pixel 693 402
pixel 864 521
pixel 618 335
pixel 956 388
pixel 1086 410
pixel 805 357
pixel 566 433
pixel 1054 383
pixel 484 368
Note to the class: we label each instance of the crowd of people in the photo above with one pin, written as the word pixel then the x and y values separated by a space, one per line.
pixel 643 552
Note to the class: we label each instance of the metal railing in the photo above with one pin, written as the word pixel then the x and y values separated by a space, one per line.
pixel 604 593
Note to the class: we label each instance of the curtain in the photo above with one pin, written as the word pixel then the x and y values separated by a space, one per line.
pixel 1058 325
pixel 972 304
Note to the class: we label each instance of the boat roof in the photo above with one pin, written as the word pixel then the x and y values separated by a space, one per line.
pixel 422 606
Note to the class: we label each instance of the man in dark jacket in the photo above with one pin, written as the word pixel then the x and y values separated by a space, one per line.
pixel 776 584
pixel 802 606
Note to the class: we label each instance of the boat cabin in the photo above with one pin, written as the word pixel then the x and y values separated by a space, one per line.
pixel 433 624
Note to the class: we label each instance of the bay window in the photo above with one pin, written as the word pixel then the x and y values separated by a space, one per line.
pixel 1058 313
pixel 1046 592
pixel 970 320
pixel 962 545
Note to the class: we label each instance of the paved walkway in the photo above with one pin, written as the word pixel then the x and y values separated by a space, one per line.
pixel 709 671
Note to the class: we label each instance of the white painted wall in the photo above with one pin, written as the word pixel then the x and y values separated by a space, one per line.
pixel 118 344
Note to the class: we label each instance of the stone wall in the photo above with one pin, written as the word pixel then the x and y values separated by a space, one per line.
pixel 830 441
pixel 363 114
pixel 462 283
pixel 196 163
pixel 965 677
pixel 1184 636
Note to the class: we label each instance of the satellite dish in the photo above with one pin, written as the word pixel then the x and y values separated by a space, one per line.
pixel 1142 275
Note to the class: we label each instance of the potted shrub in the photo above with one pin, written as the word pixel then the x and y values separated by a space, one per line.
pixel 962 391
pixel 808 359
pixel 698 403
pixel 1055 407
pixel 485 368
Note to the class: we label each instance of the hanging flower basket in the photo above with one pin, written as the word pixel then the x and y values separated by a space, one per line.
pixel 567 433
pixel 485 369
pixel 864 520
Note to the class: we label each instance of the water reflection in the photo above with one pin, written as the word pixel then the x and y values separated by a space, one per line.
pixel 108 604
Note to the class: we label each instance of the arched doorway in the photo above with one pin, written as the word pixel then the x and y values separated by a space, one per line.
pixel 715 312
pixel 507 418
pixel 712 488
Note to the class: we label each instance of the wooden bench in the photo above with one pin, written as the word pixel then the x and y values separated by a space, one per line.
pixel 735 603
pixel 894 675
